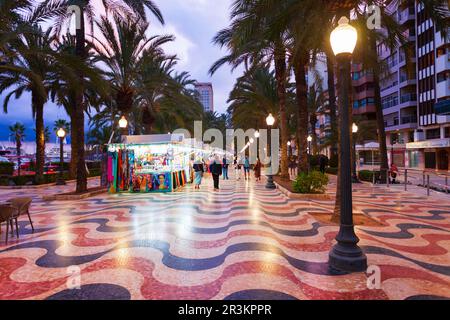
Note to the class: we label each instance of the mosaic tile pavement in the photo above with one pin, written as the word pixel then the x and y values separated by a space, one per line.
pixel 244 242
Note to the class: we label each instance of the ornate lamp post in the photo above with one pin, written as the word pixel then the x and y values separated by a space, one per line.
pixel 309 139
pixel 123 125
pixel 61 133
pixel 345 254
pixel 270 121
pixel 355 174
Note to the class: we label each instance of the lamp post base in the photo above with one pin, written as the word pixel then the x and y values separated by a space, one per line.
pixel 270 184
pixel 346 255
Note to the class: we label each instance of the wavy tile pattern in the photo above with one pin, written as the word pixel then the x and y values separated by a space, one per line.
pixel 245 242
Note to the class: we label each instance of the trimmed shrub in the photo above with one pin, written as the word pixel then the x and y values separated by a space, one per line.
pixel 6 168
pixel 312 182
pixel 367 175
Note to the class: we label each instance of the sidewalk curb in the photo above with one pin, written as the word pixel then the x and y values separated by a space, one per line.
pixel 40 186
pixel 303 196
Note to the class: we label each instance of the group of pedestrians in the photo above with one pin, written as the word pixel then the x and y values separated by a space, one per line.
pixel 219 168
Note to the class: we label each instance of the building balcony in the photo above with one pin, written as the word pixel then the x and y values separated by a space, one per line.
pixel 443 89
pixel 406 80
pixel 406 15
pixel 439 40
pixel 369 108
pixel 362 80
pixel 442 108
pixel 443 63
pixel 364 94
pixel 389 89
pixel 405 122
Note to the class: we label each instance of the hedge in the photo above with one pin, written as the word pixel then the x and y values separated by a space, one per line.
pixel 47 178
pixel 312 182
pixel 6 168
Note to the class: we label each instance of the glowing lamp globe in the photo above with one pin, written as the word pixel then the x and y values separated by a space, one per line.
pixel 354 128
pixel 343 38
pixel 270 120
pixel 257 134
pixel 289 143
pixel 123 123
pixel 61 133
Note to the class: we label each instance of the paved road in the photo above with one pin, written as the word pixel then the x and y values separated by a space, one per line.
pixel 242 242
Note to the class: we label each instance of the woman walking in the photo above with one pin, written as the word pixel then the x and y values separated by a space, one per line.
pixel 198 173
pixel 258 170
pixel 216 170
pixel 237 168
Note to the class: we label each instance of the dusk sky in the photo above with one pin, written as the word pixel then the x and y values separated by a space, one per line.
pixel 194 23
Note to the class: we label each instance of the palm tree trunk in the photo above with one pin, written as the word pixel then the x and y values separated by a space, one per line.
pixel 73 140
pixel 38 107
pixel 332 104
pixel 302 111
pixel 384 166
pixel 280 75
pixel 79 115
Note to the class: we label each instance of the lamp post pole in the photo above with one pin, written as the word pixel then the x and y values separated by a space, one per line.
pixel 345 255
pixel 61 134
pixel 270 122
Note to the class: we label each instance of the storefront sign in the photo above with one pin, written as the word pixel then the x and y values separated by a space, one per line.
pixel 440 143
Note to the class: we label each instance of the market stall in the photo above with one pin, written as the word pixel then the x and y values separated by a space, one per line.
pixel 144 164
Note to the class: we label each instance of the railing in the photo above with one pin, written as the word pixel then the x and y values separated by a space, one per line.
pixel 408 97
pixel 405 77
pixel 409 119
pixel 428 179
pixel 393 84
pixel 390 104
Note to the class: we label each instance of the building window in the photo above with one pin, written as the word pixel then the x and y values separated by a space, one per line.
pixel 433 133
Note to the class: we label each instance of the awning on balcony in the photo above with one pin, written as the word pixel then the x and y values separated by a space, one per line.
pixel 442 107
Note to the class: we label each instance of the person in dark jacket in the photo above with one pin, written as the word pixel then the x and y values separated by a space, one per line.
pixel 216 170
pixel 322 163
pixel 225 168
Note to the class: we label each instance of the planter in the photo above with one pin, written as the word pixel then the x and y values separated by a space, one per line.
pixel 73 197
pixel 303 196
pixel 40 185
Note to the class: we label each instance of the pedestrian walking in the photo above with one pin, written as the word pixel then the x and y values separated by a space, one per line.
pixel 198 173
pixel 322 163
pixel 216 170
pixel 247 168
pixel 237 168
pixel 257 170
pixel 225 168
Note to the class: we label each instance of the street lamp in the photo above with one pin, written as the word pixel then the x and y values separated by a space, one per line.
pixel 123 124
pixel 257 134
pixel 61 133
pixel 355 174
pixel 345 254
pixel 270 121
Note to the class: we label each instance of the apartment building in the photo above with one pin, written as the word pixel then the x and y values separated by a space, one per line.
pixel 206 95
pixel 415 93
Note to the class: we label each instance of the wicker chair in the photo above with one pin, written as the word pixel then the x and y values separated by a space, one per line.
pixel 8 214
pixel 23 207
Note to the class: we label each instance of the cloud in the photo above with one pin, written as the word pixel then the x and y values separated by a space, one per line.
pixel 194 23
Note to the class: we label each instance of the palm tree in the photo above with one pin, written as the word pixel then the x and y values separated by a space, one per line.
pixel 124 48
pixel 117 8
pixel 249 39
pixel 315 105
pixel 61 123
pixel 18 134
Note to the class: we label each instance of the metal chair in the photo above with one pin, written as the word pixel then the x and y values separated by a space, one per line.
pixel 8 214
pixel 23 207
